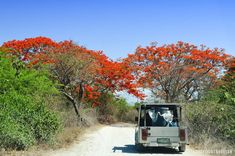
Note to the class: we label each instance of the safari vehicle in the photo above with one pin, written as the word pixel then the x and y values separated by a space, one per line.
pixel 159 125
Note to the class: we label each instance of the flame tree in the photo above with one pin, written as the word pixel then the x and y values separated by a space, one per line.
pixel 84 74
pixel 175 72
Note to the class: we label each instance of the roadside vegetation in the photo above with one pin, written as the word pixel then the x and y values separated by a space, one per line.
pixel 50 91
pixel 211 121
pixel 24 117
pixel 201 78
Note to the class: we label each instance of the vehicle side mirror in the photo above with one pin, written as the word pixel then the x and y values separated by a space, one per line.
pixel 136 119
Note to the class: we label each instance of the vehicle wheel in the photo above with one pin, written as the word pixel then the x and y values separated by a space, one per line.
pixel 182 148
pixel 139 147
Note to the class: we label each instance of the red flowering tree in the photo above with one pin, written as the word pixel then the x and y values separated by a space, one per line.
pixel 84 74
pixel 115 76
pixel 31 50
pixel 176 71
pixel 73 67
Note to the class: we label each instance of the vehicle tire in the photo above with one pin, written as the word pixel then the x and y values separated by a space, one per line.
pixel 182 148
pixel 139 148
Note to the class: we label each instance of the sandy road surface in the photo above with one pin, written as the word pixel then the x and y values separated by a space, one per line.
pixel 114 140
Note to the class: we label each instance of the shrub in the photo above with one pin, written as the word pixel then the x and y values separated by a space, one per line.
pixel 130 115
pixel 122 109
pixel 112 109
pixel 45 124
pixel 24 117
pixel 14 135
pixel 210 119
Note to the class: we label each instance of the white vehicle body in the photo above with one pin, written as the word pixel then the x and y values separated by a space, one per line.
pixel 159 125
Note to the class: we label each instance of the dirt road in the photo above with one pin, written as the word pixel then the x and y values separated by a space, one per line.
pixel 114 140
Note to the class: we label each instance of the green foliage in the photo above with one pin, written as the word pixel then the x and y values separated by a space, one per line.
pixel 24 117
pixel 137 104
pixel 45 124
pixel 214 115
pixel 122 107
pixel 14 135
pixel 225 93
pixel 228 93
pixel 211 119
pixel 115 109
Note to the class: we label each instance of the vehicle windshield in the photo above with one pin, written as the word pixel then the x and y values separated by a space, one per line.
pixel 159 116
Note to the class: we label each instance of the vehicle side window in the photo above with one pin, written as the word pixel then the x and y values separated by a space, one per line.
pixel 142 117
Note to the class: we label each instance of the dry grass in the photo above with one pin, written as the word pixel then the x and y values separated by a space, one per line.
pixel 68 136
pixel 130 116
pixel 72 131
pixel 63 140
pixel 73 134
pixel 211 144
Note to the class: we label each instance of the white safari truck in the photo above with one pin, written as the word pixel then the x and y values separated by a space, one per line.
pixel 159 125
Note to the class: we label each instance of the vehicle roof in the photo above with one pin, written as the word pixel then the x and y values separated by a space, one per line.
pixel 161 104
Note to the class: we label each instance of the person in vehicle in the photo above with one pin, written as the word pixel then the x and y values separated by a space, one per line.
pixel 162 117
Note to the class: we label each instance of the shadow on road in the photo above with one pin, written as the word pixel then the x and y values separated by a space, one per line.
pixel 134 149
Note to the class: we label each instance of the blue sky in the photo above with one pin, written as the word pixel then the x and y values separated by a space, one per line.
pixel 118 26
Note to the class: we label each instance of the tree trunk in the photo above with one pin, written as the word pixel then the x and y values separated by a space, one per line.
pixel 76 104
